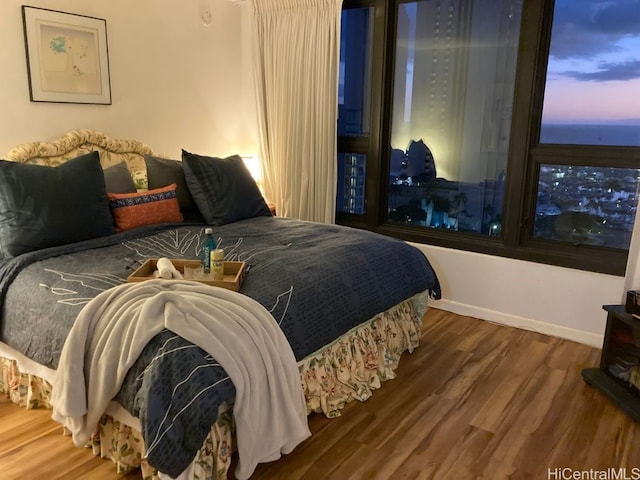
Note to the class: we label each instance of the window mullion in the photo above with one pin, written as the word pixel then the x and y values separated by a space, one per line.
pixel 380 94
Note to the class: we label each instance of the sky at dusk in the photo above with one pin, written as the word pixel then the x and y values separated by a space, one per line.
pixel 593 74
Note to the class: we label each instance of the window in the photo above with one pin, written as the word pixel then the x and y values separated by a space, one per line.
pixel 470 137
pixel 354 112
pixel 587 205
pixel 455 65
pixel 351 172
pixel 591 97
pixel 592 87
pixel 355 72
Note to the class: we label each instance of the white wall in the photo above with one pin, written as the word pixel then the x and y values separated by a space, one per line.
pixel 553 300
pixel 175 82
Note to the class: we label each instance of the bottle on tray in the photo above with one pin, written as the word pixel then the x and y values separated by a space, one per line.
pixel 217 264
pixel 208 246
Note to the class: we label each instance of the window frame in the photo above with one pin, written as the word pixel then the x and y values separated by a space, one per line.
pixel 368 145
pixel 526 154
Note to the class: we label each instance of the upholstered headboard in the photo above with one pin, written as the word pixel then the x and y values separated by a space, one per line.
pixel 79 142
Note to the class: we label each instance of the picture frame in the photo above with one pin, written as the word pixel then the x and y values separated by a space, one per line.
pixel 67 57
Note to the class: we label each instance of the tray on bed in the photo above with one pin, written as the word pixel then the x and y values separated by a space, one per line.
pixel 233 273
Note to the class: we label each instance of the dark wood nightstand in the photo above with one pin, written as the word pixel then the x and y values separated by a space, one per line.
pixel 618 376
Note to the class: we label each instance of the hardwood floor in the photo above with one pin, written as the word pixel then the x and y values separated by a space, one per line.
pixel 474 401
pixel 32 447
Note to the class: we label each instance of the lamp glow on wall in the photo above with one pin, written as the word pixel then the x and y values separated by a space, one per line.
pixel 252 163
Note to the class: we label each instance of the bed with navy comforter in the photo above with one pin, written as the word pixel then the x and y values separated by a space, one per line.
pixel 329 288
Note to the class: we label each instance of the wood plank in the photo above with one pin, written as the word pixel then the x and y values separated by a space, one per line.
pixel 32 446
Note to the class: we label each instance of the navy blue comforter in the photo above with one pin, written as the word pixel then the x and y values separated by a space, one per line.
pixel 318 281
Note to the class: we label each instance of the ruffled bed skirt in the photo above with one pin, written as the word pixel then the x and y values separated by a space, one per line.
pixel 349 368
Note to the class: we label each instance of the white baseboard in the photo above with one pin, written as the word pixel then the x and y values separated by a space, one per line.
pixel 587 338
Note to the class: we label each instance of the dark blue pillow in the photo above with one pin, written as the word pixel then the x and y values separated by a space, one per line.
pixel 162 172
pixel 42 206
pixel 222 188
pixel 117 179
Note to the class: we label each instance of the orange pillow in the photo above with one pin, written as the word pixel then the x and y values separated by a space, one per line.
pixel 131 210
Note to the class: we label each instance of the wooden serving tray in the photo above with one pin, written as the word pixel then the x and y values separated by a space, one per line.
pixel 233 273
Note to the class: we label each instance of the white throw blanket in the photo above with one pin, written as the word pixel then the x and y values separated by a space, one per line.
pixel 111 331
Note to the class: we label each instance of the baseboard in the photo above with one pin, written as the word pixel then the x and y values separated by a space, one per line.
pixel 587 338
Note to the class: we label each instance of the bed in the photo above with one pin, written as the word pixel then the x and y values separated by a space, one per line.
pixel 349 302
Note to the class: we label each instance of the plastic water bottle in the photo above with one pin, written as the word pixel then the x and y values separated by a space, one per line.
pixel 208 246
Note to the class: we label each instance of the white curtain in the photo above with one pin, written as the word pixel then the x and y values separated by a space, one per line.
pixel 632 275
pixel 295 60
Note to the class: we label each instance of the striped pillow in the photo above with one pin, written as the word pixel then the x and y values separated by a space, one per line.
pixel 131 210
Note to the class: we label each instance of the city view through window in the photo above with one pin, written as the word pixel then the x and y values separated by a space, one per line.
pixel 454 80
pixel 592 97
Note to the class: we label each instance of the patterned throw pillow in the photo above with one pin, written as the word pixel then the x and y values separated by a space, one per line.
pixel 131 210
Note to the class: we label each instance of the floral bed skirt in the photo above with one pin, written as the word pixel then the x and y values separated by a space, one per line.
pixel 349 368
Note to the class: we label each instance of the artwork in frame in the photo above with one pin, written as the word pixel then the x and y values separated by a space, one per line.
pixel 67 57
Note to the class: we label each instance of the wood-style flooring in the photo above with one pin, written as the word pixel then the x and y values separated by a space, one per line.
pixel 474 401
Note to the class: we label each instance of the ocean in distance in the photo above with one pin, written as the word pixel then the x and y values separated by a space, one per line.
pixel 610 134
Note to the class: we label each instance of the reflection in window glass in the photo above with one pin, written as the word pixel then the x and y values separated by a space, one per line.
pixel 354 89
pixel 587 205
pixel 592 92
pixel 455 64
pixel 351 179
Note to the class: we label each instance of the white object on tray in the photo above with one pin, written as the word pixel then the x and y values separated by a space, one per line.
pixel 166 270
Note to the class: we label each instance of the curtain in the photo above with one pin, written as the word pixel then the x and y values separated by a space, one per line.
pixel 295 63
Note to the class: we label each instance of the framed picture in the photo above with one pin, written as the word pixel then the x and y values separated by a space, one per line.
pixel 67 57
